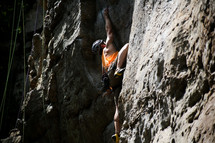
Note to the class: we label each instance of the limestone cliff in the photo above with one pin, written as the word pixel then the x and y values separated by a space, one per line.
pixel 64 103
pixel 168 87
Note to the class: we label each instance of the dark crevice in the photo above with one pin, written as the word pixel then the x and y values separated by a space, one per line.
pixel 178 88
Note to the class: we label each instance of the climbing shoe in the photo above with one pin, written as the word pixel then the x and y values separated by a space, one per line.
pixel 115 138
pixel 118 73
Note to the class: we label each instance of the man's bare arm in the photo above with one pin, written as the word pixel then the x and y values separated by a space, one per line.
pixel 108 27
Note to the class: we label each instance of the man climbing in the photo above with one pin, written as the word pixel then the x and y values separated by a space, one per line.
pixel 113 65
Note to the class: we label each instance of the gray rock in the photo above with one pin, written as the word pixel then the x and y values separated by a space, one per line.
pixel 167 69
pixel 168 87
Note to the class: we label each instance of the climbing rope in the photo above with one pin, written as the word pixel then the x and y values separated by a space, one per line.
pixel 11 55
pixel 24 89
pixel 10 51
pixel 27 75
pixel 11 41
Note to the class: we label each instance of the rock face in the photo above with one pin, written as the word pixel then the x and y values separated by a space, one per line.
pixel 168 85
pixel 64 103
pixel 168 88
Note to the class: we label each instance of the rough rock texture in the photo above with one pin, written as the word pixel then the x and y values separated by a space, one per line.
pixel 15 137
pixel 64 103
pixel 168 86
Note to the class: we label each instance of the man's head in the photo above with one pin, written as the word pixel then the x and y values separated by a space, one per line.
pixel 98 46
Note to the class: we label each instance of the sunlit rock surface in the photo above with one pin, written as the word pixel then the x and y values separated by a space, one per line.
pixel 168 87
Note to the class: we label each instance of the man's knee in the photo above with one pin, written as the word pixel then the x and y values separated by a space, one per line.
pixel 116 118
pixel 124 50
pixel 125 47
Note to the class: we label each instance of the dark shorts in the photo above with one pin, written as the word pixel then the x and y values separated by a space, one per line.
pixel 114 82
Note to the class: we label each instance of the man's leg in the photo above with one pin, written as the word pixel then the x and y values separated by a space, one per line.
pixel 117 124
pixel 120 63
pixel 122 56
pixel 116 121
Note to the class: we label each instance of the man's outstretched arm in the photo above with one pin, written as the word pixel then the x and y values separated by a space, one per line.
pixel 108 27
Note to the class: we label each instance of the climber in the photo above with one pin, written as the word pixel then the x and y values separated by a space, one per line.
pixel 113 66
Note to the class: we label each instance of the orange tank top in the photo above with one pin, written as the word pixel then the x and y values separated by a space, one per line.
pixel 107 61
